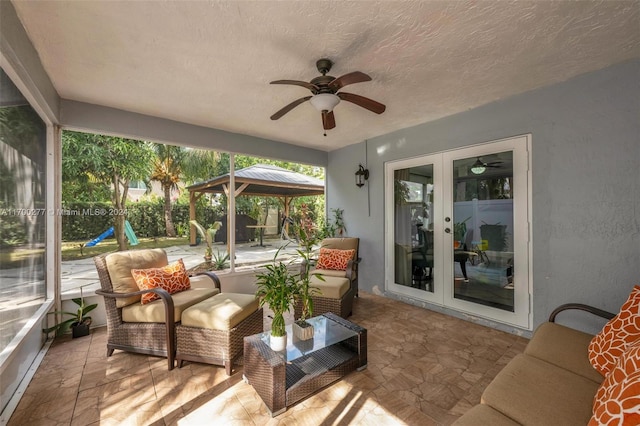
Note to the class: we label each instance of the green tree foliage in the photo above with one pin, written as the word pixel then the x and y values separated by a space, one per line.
pixel 167 169
pixel 89 159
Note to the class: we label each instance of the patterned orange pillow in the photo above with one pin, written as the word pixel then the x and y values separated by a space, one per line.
pixel 616 335
pixel 172 278
pixel 617 401
pixel 334 259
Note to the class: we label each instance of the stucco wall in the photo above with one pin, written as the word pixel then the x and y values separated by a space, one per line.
pixel 586 184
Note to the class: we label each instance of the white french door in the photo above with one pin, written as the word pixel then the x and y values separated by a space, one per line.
pixel 457 229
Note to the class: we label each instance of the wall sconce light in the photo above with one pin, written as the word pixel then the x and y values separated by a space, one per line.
pixel 361 176
pixel 478 167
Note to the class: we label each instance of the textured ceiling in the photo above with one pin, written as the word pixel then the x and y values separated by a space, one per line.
pixel 210 63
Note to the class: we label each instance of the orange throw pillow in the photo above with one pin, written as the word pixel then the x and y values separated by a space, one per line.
pixel 172 278
pixel 617 401
pixel 616 335
pixel 334 259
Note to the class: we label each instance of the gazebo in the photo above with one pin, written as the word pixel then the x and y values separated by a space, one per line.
pixel 258 180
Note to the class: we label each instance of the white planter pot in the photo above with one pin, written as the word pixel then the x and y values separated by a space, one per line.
pixel 278 343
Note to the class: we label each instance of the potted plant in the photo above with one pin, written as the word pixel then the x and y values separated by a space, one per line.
pixel 307 238
pixel 79 321
pixel 338 223
pixel 208 235
pixel 278 288
pixel 220 260
pixel 460 230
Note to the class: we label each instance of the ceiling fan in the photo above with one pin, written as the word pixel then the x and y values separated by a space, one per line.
pixel 480 166
pixel 325 95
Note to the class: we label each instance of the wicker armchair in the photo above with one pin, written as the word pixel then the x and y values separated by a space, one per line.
pixel 156 334
pixel 342 306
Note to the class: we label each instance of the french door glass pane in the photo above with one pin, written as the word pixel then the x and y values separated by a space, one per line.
pixel 413 227
pixel 483 230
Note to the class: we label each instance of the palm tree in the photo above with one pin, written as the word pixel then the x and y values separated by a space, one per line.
pixel 167 169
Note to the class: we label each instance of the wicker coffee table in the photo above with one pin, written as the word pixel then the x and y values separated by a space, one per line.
pixel 284 378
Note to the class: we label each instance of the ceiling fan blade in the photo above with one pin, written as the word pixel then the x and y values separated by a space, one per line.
pixel 304 84
pixel 328 120
pixel 289 107
pixel 365 103
pixel 351 78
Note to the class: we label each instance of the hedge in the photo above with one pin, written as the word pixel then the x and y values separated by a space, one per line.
pixel 85 221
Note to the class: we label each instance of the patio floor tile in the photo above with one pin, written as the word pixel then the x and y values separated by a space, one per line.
pixel 424 368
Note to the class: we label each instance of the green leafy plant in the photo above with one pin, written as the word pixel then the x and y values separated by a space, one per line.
pixel 308 238
pixel 338 222
pixel 460 229
pixel 333 228
pixel 207 235
pixel 220 260
pixel 77 318
pixel 278 288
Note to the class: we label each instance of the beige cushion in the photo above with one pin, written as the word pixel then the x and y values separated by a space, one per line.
pixel 564 347
pixel 222 312
pixel 328 272
pixel 534 392
pixel 120 265
pixel 331 287
pixel 154 311
pixel 483 415
pixel 345 243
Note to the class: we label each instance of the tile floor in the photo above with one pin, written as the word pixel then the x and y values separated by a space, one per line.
pixel 424 368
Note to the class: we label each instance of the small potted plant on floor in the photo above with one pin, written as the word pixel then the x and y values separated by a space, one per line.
pixel 78 323
pixel 278 288
pixel 208 235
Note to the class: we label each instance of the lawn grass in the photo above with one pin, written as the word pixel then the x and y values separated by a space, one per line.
pixel 18 257
pixel 73 250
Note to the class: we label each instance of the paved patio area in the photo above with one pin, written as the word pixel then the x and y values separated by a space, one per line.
pixel 82 273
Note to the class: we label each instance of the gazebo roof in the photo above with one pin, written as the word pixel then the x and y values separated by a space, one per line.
pixel 264 180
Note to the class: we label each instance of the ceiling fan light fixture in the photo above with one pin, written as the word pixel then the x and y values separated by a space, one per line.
pixel 324 101
pixel 478 167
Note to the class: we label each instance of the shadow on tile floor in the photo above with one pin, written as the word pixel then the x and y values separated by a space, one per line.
pixel 424 368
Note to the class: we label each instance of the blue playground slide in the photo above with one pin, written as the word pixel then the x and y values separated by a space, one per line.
pixel 96 240
pixel 128 231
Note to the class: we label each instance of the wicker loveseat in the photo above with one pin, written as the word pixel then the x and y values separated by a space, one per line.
pixel 552 382
pixel 150 328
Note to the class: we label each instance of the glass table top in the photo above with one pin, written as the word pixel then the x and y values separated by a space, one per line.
pixel 326 333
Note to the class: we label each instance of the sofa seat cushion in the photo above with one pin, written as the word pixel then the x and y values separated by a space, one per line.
pixel 564 347
pixel 328 272
pixel 223 311
pixel 331 287
pixel 120 265
pixel 484 415
pixel 533 392
pixel 154 311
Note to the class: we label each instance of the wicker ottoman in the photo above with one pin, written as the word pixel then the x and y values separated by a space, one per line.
pixel 213 330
